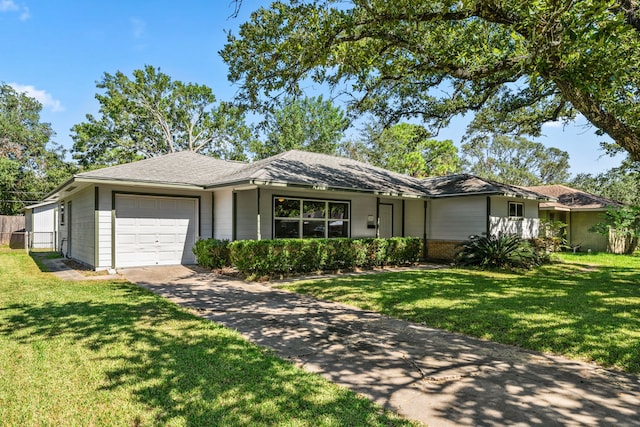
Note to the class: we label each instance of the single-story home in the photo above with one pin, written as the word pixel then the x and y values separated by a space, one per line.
pixel 151 212
pixel 580 211
pixel 41 222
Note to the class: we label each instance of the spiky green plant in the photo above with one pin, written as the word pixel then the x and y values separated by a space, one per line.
pixel 503 251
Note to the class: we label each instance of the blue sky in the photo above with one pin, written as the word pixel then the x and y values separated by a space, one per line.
pixel 57 50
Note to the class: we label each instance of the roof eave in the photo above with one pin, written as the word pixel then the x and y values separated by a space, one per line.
pixel 317 187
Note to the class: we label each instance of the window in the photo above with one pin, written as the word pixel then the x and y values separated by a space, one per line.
pixel 516 210
pixel 310 218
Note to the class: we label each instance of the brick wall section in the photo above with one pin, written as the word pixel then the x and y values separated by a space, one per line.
pixel 442 249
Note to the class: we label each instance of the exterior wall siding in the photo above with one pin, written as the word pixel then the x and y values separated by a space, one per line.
pixel 82 223
pixel 527 227
pixel 457 218
pixel 223 214
pixel 414 220
pixel 581 222
pixel 43 222
pixel 246 215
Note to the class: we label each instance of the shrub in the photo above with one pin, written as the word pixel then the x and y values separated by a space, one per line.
pixel 504 251
pixel 212 253
pixel 286 256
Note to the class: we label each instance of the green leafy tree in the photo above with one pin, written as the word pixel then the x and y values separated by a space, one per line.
pixel 515 160
pixel 150 115
pixel 622 225
pixel 515 63
pixel 406 148
pixel 309 124
pixel 621 183
pixel 30 163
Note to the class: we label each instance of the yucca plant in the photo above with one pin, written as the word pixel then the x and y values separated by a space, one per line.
pixel 503 251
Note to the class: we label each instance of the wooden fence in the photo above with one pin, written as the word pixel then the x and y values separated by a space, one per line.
pixel 11 230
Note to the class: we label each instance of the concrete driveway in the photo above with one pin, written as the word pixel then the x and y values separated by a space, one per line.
pixel 436 377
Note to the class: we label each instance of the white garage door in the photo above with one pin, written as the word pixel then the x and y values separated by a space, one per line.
pixel 155 230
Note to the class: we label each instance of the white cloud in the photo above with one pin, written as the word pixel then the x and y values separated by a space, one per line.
pixel 138 27
pixel 42 96
pixel 25 14
pixel 11 6
pixel 555 124
pixel 8 6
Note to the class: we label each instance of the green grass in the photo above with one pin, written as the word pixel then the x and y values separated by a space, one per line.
pixel 108 353
pixel 586 307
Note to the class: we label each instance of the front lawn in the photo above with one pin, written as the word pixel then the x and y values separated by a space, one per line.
pixel 108 353
pixel 586 307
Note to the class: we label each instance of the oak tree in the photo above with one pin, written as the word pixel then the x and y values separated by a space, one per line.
pixel 150 114
pixel 515 63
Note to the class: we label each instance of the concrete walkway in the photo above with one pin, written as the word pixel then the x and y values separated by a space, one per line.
pixel 436 377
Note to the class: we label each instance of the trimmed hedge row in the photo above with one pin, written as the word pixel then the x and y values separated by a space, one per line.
pixel 286 256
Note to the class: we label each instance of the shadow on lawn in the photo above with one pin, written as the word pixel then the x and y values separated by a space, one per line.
pixel 575 309
pixel 443 378
pixel 185 368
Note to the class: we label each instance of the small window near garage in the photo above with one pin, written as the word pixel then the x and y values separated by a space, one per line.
pixel 61 210
pixel 516 210
pixel 310 218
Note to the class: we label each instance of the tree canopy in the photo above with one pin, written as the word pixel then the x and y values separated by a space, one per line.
pixel 515 160
pixel 310 124
pixel 31 164
pixel 515 63
pixel 405 148
pixel 150 114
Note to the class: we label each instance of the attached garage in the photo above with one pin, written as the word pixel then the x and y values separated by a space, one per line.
pixel 153 230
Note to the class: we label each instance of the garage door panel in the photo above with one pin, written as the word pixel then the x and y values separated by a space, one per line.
pixel 155 230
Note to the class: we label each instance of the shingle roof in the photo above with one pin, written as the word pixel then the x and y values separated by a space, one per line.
pixel 570 198
pixel 183 167
pixel 298 168
pixel 313 169
pixel 453 185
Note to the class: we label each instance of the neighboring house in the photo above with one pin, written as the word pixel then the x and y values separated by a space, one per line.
pixel 41 222
pixel 152 212
pixel 580 211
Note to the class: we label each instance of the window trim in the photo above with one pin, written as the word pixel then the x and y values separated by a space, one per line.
pixel 516 217
pixel 301 218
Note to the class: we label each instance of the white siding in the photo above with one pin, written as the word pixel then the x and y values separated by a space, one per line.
pixel 361 207
pixel 500 223
pixel 223 215
pixel 246 215
pixel 527 228
pixel 82 226
pixel 43 222
pixel 457 218
pixel 414 218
